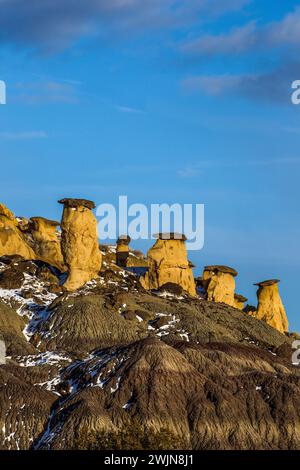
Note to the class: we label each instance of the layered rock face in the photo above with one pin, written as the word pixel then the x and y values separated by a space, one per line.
pixel 219 284
pixel 270 307
pixel 168 263
pixel 79 243
pixel 45 241
pixel 239 301
pixel 122 253
pixel 12 241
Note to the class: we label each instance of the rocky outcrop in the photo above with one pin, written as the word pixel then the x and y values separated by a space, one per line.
pixel 219 283
pixel 122 251
pixel 168 263
pixel 270 307
pixel 239 301
pixel 79 242
pixel 12 241
pixel 45 241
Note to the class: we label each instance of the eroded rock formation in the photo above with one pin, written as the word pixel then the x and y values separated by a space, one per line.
pixel 79 242
pixel 12 241
pixel 45 241
pixel 168 263
pixel 219 283
pixel 239 301
pixel 122 253
pixel 270 307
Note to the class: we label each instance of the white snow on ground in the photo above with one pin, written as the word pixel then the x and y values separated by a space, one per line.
pixel 26 307
pixel 49 357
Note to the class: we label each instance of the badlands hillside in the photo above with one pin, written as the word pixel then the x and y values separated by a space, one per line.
pixel 109 349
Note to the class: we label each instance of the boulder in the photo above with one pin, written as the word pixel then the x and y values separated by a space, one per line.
pixel 79 242
pixel 168 263
pixel 45 241
pixel 219 284
pixel 12 241
pixel 270 307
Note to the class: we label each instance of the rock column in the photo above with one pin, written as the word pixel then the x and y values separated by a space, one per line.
pixel 122 252
pixel 168 263
pixel 270 307
pixel 79 243
pixel 219 284
pixel 239 301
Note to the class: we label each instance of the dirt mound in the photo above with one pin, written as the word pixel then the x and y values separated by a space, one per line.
pixel 80 324
pixel 183 390
pixel 11 329
pixel 24 409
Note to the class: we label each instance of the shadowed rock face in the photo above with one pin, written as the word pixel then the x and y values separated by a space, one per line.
pixel 45 241
pixel 270 307
pixel 12 241
pixel 220 284
pixel 168 263
pixel 79 242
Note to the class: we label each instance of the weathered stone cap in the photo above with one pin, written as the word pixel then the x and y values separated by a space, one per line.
pixel 269 282
pixel 70 202
pixel 240 298
pixel 221 269
pixel 170 236
pixel 123 240
pixel 47 221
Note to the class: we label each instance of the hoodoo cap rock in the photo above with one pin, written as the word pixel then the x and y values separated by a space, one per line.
pixel 240 298
pixel 70 202
pixel 221 269
pixel 269 282
pixel 170 236
pixel 123 240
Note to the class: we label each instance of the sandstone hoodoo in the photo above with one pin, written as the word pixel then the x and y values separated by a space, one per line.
pixel 270 307
pixel 239 301
pixel 45 241
pixel 219 284
pixel 79 242
pixel 12 241
pixel 122 252
pixel 168 263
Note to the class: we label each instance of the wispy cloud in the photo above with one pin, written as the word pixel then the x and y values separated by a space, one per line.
pixel 237 41
pixel 248 37
pixel 129 110
pixel 272 86
pixel 56 24
pixel 24 135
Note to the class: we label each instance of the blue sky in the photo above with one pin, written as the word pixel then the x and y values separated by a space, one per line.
pixel 163 101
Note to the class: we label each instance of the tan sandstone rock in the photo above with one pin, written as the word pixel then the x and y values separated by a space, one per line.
pixel 79 242
pixel 270 307
pixel 122 252
pixel 45 241
pixel 239 301
pixel 168 263
pixel 12 241
pixel 219 284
